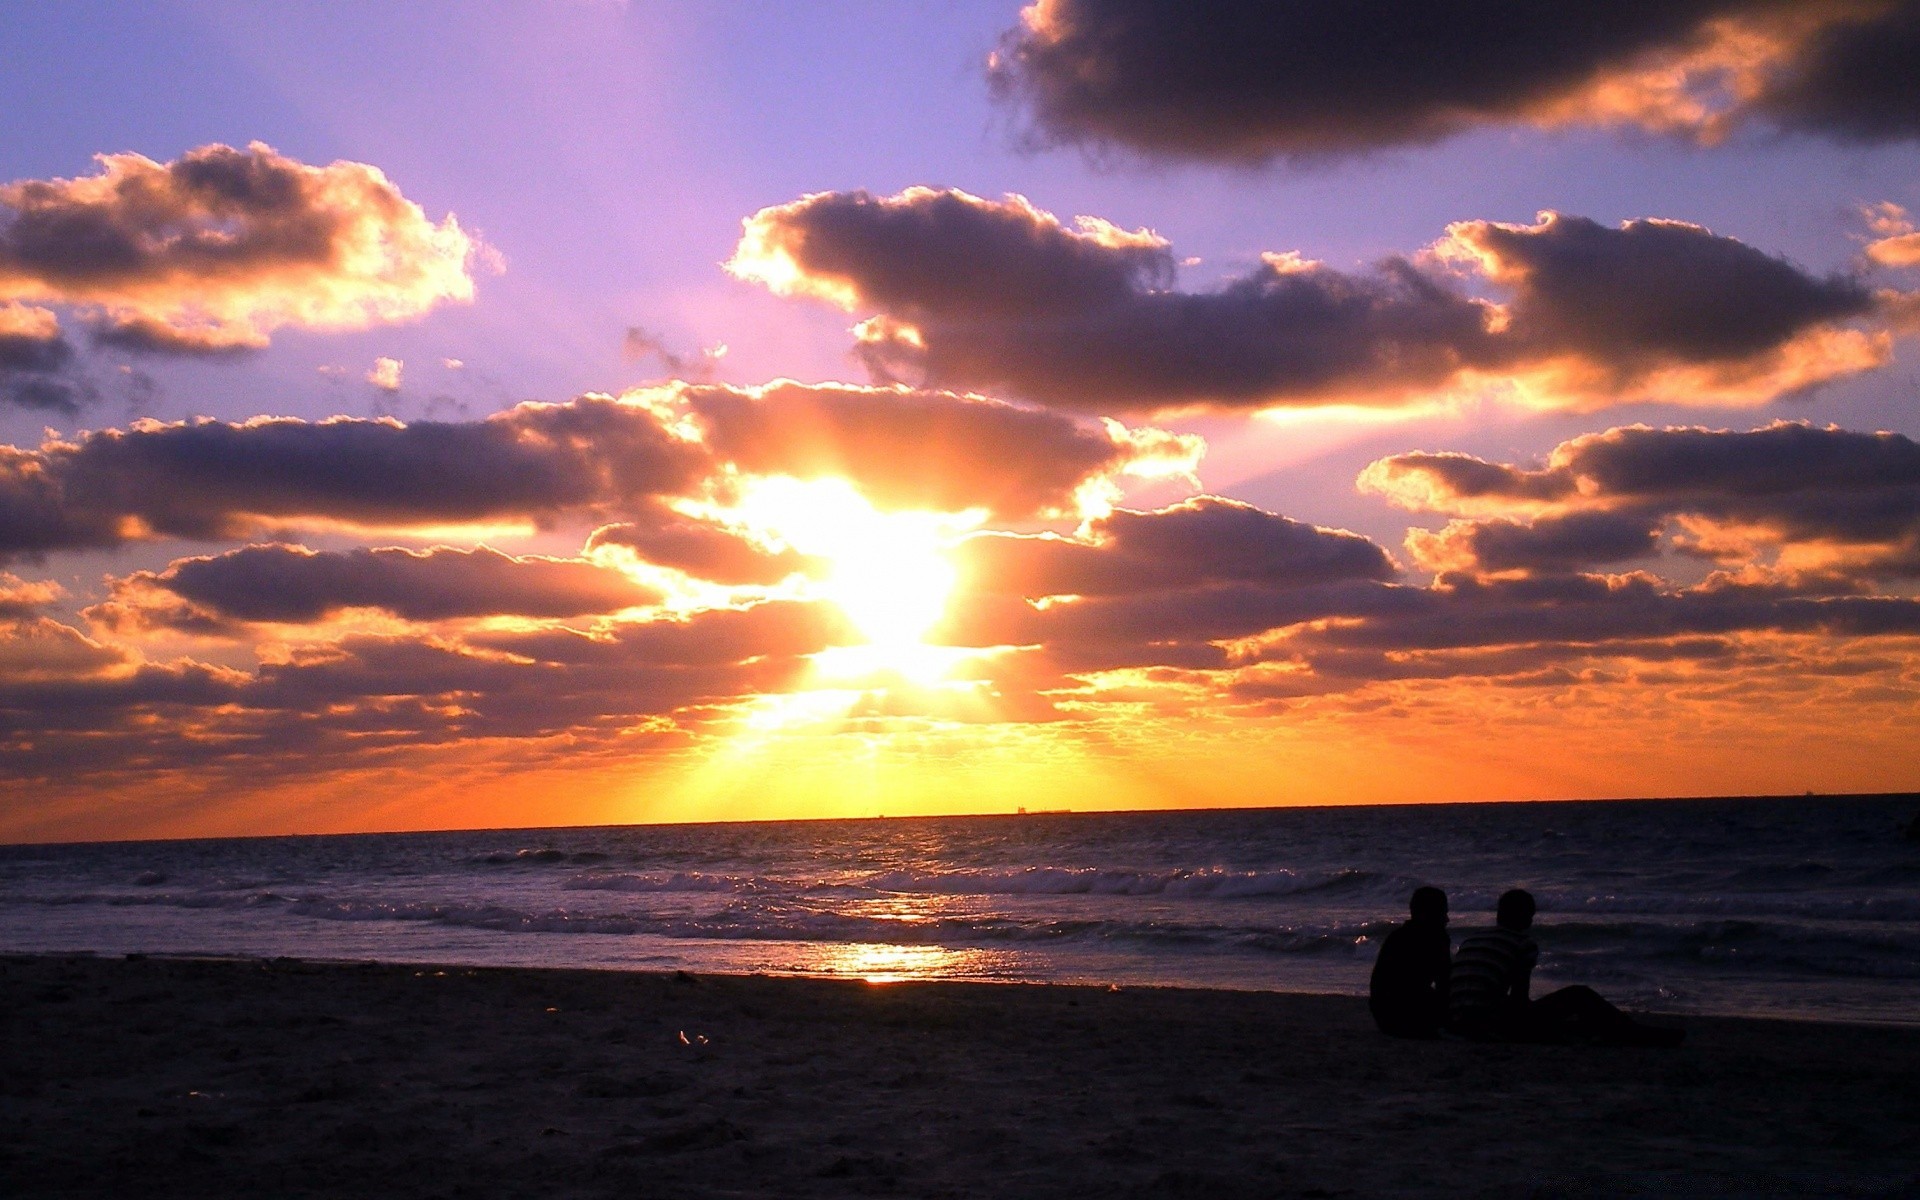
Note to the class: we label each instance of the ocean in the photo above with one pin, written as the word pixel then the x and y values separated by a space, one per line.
pixel 1805 907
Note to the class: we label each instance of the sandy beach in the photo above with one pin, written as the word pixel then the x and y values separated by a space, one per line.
pixel 178 1077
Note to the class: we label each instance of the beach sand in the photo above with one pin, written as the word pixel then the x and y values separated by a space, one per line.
pixel 158 1077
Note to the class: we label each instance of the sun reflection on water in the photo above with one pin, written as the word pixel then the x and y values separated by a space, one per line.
pixel 886 962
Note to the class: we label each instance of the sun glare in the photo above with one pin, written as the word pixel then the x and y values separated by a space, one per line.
pixel 887 571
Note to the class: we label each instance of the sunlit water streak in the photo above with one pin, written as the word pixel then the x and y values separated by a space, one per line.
pixel 1805 907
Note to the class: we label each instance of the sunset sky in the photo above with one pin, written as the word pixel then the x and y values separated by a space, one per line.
pixel 556 412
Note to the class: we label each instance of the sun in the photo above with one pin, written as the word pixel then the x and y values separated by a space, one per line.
pixel 888 571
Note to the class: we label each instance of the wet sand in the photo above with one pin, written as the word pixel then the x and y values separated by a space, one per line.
pixel 165 1077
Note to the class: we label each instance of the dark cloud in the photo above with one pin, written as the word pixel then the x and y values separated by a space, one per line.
pixel 1202 542
pixel 35 361
pixel 1249 81
pixel 940 252
pixel 1565 543
pixel 221 247
pixel 291 584
pixel 1648 293
pixel 136 335
pixel 216 480
pixel 641 344
pixel 47 393
pixel 1588 611
pixel 1853 79
pixel 1833 500
pixel 998 295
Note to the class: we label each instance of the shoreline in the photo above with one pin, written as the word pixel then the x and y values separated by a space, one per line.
pixel 449 965
pixel 197 1076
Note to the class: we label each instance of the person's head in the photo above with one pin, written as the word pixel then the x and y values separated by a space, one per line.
pixel 1429 904
pixel 1515 910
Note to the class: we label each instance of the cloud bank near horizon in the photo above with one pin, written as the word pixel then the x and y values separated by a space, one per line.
pixel 1792 550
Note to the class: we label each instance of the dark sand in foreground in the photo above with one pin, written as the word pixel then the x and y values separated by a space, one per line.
pixel 172 1077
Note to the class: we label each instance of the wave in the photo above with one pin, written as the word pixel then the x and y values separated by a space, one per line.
pixel 1825 905
pixel 1213 883
pixel 540 857
pixel 669 881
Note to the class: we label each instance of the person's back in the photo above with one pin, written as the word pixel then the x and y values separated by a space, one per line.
pixel 1487 969
pixel 1408 991
pixel 1491 971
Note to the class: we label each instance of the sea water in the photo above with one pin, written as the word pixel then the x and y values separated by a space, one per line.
pixel 1805 907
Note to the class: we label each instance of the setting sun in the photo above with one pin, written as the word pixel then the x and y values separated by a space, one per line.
pixel 888 572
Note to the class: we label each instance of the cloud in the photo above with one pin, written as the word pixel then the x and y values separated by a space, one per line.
pixel 592 458
pixel 1664 309
pixel 386 374
pixel 214 480
pixel 1899 244
pixel 20 597
pixel 1000 295
pixel 30 339
pixel 1209 613
pixel 908 448
pixel 38 652
pixel 1201 542
pixel 34 358
pixel 1833 504
pixel 640 344
pixel 1158 588
pixel 71 708
pixel 703 549
pixel 294 585
pixel 1850 77
pixel 219 248
pixel 1564 543
pixel 1249 82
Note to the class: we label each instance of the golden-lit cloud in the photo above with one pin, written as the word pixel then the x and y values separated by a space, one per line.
pixel 219 248
pixel 27 323
pixel 1897 245
pixel 386 374
pixel 596 458
pixel 21 597
pixel 923 449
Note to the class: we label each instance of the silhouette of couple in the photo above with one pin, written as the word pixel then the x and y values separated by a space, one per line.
pixel 1420 987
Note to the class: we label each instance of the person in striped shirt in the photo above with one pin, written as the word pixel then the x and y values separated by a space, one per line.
pixel 1492 972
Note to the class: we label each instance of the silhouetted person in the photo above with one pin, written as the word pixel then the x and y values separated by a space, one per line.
pixel 1487 992
pixel 1408 991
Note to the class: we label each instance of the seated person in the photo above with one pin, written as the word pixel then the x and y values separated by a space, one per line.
pixel 1408 991
pixel 1487 992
